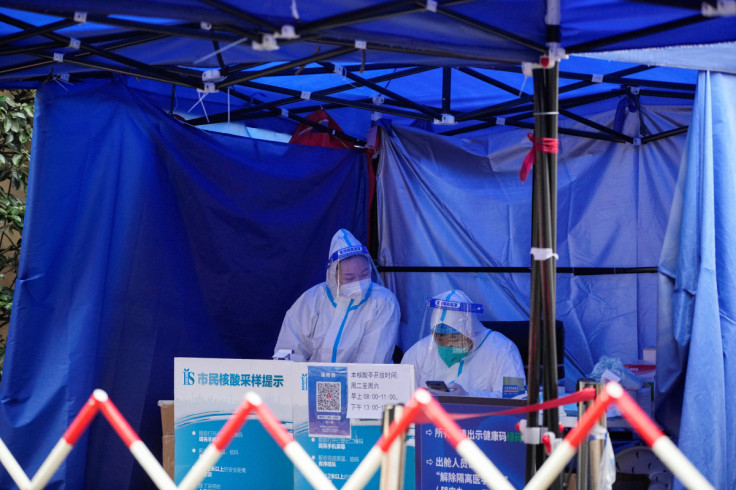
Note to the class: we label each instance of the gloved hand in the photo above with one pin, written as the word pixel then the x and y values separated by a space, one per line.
pixel 456 390
pixel 436 393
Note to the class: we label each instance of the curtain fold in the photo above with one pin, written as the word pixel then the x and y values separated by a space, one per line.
pixel 696 378
pixel 147 239
pixel 459 202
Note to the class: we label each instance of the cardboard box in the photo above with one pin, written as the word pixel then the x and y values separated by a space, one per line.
pixel 167 431
pixel 649 355
pixel 168 455
pixel 167 417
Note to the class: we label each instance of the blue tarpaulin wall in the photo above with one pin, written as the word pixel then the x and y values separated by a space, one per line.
pixel 466 206
pixel 697 308
pixel 147 239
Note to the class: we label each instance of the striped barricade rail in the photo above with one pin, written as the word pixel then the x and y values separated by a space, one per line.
pixel 661 445
pixel 421 403
pixel 99 402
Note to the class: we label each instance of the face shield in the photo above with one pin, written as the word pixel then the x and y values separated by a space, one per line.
pixel 350 272
pixel 450 320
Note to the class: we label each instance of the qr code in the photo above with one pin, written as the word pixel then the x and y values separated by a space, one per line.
pixel 328 396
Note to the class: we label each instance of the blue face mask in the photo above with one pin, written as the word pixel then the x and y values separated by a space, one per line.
pixel 451 355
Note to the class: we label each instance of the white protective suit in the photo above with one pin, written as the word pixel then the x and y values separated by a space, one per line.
pixel 492 357
pixel 325 325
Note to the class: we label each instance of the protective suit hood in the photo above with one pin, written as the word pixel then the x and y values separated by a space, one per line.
pixel 462 321
pixel 358 325
pixel 481 372
pixel 343 246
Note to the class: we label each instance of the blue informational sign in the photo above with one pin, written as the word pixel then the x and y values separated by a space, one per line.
pixel 339 457
pixel 328 401
pixel 207 392
pixel 440 467
pixel 369 388
pixel 241 463
pixel 305 397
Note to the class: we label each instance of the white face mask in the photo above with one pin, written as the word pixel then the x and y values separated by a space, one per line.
pixel 355 289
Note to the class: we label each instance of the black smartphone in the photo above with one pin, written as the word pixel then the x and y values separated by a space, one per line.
pixel 437 385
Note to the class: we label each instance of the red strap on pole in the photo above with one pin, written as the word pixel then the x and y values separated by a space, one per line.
pixel 583 395
pixel 545 145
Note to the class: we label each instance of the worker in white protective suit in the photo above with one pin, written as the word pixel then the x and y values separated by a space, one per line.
pixel 350 317
pixel 471 359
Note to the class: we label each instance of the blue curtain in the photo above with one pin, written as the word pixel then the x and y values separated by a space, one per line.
pixel 459 202
pixel 696 376
pixel 147 239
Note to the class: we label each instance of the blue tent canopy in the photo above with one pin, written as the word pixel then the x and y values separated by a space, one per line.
pixel 278 61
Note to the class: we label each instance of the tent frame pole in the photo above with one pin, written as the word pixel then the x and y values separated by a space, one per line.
pixel 257 106
pixel 542 315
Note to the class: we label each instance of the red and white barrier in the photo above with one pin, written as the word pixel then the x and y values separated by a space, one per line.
pixel 297 455
pixel 140 451
pixel 213 452
pixel 291 448
pixel 661 445
pixel 16 472
pixel 421 402
pixel 67 441
pixel 100 402
pixel 365 470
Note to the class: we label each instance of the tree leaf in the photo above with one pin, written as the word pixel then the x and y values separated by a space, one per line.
pixel 16 130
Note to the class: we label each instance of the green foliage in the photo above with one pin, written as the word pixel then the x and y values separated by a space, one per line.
pixel 16 121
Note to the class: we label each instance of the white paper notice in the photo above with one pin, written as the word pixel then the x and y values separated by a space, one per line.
pixel 373 386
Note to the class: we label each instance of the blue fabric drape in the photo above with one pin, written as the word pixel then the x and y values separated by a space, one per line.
pixel 147 239
pixel 458 202
pixel 697 307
